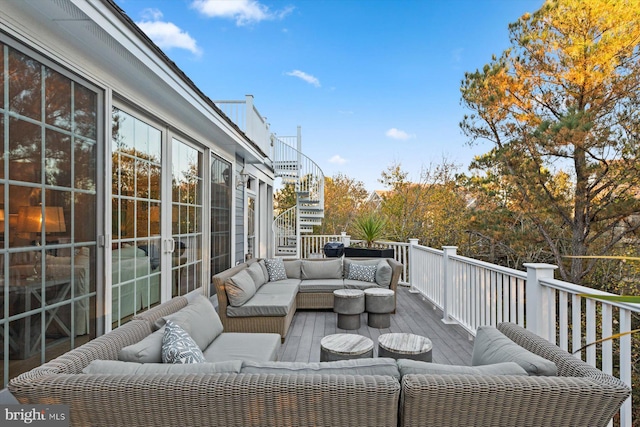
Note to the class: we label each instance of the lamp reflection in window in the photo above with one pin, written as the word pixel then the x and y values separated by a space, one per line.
pixel 31 220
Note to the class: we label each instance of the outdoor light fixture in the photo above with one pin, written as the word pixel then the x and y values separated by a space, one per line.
pixel 243 179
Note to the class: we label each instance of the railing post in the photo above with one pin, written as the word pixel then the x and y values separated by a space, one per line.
pixel 537 307
pixel 346 240
pixel 249 122
pixel 447 282
pixel 412 264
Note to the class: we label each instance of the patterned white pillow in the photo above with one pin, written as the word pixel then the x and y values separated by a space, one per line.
pixel 178 346
pixel 364 273
pixel 276 270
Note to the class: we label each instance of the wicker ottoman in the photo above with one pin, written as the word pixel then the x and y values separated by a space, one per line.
pixel 345 346
pixel 379 303
pixel 349 304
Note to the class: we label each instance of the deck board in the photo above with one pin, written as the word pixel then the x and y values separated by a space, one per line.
pixel 451 344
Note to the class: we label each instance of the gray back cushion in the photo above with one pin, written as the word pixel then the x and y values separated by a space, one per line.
pixel 255 271
pixel 407 366
pixel 292 267
pixel 368 366
pixel 321 269
pixel 131 368
pixel 147 350
pixel 383 273
pixel 265 272
pixel 199 319
pixel 240 288
pixel 492 346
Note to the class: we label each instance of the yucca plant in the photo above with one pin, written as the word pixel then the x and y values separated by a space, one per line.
pixel 370 227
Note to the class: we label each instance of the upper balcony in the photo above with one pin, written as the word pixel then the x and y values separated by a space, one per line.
pixel 249 120
pixel 447 297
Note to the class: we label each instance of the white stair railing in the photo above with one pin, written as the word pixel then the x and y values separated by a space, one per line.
pixel 284 231
pixel 295 168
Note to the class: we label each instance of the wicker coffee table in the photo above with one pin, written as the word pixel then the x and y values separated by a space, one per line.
pixel 405 346
pixel 345 346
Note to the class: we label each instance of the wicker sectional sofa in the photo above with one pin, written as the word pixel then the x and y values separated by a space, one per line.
pixel 309 284
pixel 255 390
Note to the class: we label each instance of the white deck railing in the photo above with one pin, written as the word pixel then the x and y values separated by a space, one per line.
pixel 473 293
pixel 247 117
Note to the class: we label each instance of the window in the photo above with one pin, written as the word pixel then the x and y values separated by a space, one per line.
pixel 135 220
pixel 220 215
pixel 48 207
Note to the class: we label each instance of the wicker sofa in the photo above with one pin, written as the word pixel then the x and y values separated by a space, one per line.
pixel 304 288
pixel 367 392
pixel 226 396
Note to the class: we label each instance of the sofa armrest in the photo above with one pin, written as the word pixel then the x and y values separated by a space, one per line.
pixel 396 272
pixel 460 400
pixel 219 280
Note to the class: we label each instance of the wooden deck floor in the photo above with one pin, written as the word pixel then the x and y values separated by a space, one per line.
pixel 451 344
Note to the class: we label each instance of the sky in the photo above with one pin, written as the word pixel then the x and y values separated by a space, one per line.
pixel 371 83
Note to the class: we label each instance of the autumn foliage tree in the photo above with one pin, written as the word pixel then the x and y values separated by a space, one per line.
pixel 430 209
pixel 565 98
pixel 343 199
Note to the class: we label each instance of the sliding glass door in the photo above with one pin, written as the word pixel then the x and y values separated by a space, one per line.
pixel 186 217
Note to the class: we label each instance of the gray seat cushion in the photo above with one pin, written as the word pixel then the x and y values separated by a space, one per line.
pixel 407 366
pixel 321 285
pixel 243 346
pixel 358 284
pixel 492 346
pixel 117 367
pixel 369 366
pixel 272 299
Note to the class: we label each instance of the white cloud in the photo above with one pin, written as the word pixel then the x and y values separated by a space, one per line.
pixel 304 76
pixel 167 35
pixel 152 14
pixel 337 160
pixel 394 133
pixel 243 11
pixel 456 55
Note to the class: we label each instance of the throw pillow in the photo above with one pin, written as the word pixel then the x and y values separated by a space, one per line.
pixel 178 346
pixel 364 273
pixel 492 346
pixel 276 270
pixel 240 288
